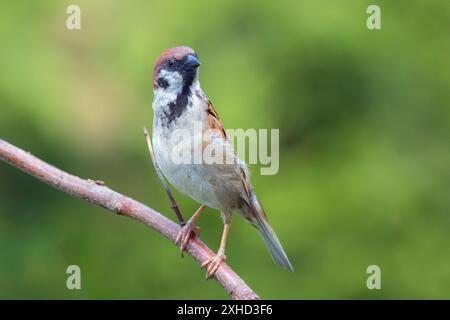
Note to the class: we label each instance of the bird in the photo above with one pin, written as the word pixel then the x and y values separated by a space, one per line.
pixel 182 110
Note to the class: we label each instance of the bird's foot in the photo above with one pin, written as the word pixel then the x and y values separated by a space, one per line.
pixel 213 263
pixel 188 230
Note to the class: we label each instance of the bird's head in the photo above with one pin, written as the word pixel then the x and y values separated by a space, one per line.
pixel 175 69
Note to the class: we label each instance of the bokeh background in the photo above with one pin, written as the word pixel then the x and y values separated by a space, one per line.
pixel 364 119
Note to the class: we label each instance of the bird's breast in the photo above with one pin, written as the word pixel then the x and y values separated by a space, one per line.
pixel 179 147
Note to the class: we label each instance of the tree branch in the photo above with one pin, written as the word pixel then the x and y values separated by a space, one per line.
pixel 97 193
pixel 163 181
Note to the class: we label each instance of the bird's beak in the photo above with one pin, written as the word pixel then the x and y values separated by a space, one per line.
pixel 192 60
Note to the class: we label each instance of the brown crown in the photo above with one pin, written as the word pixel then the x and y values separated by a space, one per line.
pixel 176 52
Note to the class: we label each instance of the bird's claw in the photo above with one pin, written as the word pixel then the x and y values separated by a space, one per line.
pixel 213 263
pixel 185 234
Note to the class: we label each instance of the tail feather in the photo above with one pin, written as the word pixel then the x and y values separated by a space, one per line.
pixel 258 219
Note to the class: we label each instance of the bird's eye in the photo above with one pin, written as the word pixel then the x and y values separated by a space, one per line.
pixel 170 62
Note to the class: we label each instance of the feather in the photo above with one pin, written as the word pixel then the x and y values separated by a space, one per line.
pixel 257 217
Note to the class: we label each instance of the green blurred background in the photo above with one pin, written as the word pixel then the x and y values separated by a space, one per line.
pixel 364 123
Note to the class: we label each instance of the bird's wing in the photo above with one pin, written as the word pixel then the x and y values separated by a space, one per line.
pixel 213 123
pixel 246 184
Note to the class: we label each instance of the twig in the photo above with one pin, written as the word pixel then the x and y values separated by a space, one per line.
pixel 163 181
pixel 113 201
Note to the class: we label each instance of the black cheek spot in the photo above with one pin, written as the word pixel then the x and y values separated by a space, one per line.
pixel 162 83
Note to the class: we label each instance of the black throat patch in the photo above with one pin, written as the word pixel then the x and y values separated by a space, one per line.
pixel 176 108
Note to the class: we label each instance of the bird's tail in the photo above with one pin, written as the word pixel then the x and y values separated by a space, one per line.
pixel 256 216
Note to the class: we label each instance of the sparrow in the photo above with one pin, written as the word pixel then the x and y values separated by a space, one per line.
pixel 180 108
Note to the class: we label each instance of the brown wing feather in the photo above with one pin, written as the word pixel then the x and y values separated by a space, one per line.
pixel 246 184
pixel 213 121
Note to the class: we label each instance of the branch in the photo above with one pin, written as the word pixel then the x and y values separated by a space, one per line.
pixel 97 193
pixel 163 181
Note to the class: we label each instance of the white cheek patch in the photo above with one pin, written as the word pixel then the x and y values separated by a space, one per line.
pixel 173 78
pixel 164 96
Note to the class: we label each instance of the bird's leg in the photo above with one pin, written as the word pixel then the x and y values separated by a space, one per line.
pixel 213 263
pixel 188 229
